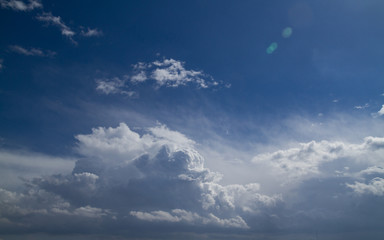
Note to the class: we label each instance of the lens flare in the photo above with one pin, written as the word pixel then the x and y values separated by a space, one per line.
pixel 287 32
pixel 272 48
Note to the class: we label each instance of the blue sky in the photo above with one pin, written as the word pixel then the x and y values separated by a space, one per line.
pixel 193 119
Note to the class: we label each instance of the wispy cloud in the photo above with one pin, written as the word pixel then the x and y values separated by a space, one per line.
pixel 32 51
pixel 17 5
pixel 48 18
pixel 1 64
pixel 113 86
pixel 91 32
pixel 361 106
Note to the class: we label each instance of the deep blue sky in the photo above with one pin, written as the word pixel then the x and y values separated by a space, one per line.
pixel 324 82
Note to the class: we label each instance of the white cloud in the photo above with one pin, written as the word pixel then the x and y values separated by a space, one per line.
pixel 306 159
pixel 91 32
pixel 56 21
pixel 166 73
pixel 21 5
pixel 171 73
pixel 113 86
pixel 375 187
pixel 155 177
pixel 123 175
pixel 362 106
pixel 381 111
pixel 179 215
pixel 139 77
pixel 32 51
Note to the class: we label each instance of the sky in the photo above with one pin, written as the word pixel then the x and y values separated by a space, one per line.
pixel 192 119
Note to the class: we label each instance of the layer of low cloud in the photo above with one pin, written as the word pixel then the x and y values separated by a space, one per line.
pixel 155 178
pixel 17 5
pixel 32 51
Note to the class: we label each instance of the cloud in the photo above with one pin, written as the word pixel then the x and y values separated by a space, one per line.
pixel 32 51
pixel 113 86
pixel 21 5
pixel 307 158
pixel 375 187
pixel 166 73
pixel 48 18
pixel 381 111
pixel 26 164
pixel 91 32
pixel 179 215
pixel 129 179
pixel 171 73
pixel 152 177
pixel 362 106
pixel 1 64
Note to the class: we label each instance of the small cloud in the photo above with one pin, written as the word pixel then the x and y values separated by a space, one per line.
pixel 56 21
pixel 335 100
pixel 361 107
pixel 112 86
pixel 92 32
pixel 17 5
pixel 32 51
pixel 172 73
pixel 139 77
pixel 381 111
pixel 1 64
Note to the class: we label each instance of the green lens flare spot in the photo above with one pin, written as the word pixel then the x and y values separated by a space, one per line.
pixel 272 48
pixel 287 32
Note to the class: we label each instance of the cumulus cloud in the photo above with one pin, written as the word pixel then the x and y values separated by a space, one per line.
pixel 32 51
pixel 154 176
pixel 91 32
pixel 21 5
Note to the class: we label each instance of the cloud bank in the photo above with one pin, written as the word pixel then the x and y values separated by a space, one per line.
pixel 154 178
